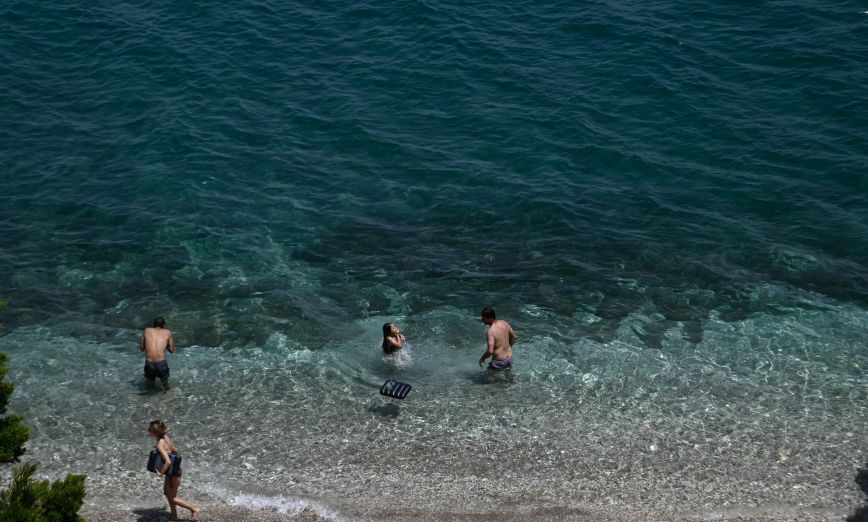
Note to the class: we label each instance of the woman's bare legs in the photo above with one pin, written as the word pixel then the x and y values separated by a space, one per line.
pixel 170 488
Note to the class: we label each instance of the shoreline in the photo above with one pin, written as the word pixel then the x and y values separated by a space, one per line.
pixel 225 513
pixel 207 513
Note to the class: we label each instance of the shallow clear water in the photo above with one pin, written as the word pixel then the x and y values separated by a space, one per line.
pixel 668 204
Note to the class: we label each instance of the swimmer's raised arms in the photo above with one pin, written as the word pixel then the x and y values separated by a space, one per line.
pixel 393 339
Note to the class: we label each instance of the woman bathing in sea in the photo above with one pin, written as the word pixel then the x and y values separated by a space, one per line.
pixel 393 339
pixel 165 446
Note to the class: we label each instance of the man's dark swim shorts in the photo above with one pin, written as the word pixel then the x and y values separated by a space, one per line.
pixel 499 366
pixel 156 369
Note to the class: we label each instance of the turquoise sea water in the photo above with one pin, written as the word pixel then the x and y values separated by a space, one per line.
pixel 669 203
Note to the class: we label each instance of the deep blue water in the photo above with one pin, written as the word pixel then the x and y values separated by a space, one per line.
pixel 668 202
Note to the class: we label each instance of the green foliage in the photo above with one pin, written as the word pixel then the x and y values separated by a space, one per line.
pixel 6 388
pixel 13 432
pixel 31 500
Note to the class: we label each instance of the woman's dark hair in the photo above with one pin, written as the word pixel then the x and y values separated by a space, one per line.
pixel 158 427
pixel 159 322
pixel 488 313
pixel 387 329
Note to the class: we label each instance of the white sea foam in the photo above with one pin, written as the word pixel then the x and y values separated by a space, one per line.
pixel 403 358
pixel 280 503
pixel 289 506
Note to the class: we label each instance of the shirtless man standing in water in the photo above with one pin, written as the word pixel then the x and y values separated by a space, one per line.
pixel 155 342
pixel 500 340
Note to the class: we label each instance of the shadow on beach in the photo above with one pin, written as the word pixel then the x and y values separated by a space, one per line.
pixel 385 410
pixel 151 514
pixel 861 513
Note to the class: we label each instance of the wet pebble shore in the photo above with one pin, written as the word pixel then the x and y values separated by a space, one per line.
pixel 591 514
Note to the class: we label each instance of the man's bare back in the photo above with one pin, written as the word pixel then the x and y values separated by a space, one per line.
pixel 500 339
pixel 155 342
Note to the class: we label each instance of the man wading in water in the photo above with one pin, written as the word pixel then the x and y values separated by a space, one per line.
pixel 155 342
pixel 500 340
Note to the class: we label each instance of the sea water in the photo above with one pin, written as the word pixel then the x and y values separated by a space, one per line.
pixel 668 203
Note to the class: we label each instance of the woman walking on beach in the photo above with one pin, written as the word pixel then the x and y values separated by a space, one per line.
pixel 166 446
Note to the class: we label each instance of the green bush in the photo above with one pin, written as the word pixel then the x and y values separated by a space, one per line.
pixel 13 432
pixel 31 500
pixel 28 500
